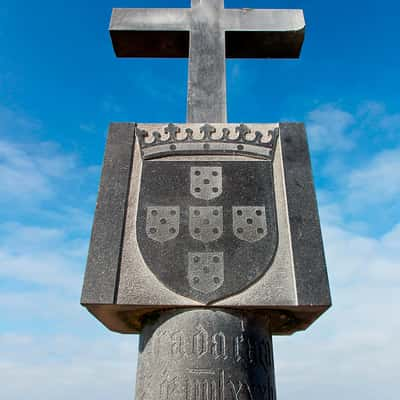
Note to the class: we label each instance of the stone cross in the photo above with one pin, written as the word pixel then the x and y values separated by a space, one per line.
pixel 207 33
pixel 206 238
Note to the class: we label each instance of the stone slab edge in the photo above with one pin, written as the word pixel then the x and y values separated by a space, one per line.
pixel 309 259
pixel 102 270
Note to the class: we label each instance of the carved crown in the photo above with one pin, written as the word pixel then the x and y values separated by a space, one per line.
pixel 258 140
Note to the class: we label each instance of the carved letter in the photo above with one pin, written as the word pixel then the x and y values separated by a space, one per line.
pixel 218 347
pixel 178 344
pixel 200 342
pixel 234 391
pixel 167 388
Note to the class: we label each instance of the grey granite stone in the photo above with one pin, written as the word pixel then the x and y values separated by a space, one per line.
pixel 102 271
pixel 206 354
pixel 175 251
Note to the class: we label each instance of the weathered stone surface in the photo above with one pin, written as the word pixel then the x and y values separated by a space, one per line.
pixel 206 354
pixel 263 249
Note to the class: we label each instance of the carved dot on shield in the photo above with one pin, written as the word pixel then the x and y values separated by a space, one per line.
pixel 215 212
pixel 240 147
pixel 239 212
pixel 216 280
pixel 197 230
pixel 206 270
pixel 239 230
pixel 173 212
pixel 206 181
pixel 196 259
pixel 259 212
pixel 215 189
pixel 153 230
pixel 172 230
pixel 197 173
pixel 215 173
pixel 216 231
pixel 216 259
pixel 260 231
pixel 206 221
pixel 154 212
pixel 163 221
pixel 196 280
pixel 172 147
pixel 249 221
pixel 197 190
pixel 196 212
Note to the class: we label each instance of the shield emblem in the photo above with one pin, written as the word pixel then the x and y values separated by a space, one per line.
pixel 206 228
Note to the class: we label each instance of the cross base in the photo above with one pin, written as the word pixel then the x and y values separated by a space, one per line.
pixel 206 354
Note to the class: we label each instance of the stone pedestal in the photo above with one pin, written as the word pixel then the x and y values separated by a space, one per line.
pixel 206 354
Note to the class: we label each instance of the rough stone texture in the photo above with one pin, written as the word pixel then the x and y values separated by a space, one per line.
pixel 308 250
pixel 102 270
pixel 292 288
pixel 205 355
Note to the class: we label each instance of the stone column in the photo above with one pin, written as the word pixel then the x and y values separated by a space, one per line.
pixel 206 354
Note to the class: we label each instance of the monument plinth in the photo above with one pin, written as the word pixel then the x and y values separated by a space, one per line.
pixel 206 238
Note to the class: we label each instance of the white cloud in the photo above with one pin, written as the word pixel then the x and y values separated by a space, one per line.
pixel 16 122
pixel 377 180
pixel 353 350
pixel 30 172
pixel 65 367
pixel 329 128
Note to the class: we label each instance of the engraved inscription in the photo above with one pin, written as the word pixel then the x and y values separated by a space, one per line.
pixel 206 271
pixel 204 384
pixel 206 182
pixel 162 223
pixel 206 223
pixel 249 223
pixel 239 348
pixel 206 376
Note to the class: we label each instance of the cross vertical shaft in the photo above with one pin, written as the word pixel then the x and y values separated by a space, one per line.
pixel 207 77
pixel 207 33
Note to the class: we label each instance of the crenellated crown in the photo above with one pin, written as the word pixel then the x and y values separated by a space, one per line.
pixel 255 140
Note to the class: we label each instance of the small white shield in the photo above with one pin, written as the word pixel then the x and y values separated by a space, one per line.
pixel 162 223
pixel 206 271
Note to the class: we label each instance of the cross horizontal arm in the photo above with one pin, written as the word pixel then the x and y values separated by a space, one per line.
pixel 253 33
pixel 150 32
pixel 250 33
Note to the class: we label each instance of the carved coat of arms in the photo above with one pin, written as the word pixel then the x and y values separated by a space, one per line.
pixel 206 219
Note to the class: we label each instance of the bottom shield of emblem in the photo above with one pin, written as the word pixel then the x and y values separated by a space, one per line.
pixel 206 271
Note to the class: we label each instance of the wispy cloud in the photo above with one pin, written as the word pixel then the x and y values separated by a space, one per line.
pixel 88 127
pixel 328 128
pixel 67 366
pixel 354 347
pixel 28 172
pixel 377 181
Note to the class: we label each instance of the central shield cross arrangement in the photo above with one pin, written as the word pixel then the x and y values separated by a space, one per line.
pixel 207 228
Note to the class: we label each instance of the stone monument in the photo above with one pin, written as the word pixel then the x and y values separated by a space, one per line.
pixel 206 238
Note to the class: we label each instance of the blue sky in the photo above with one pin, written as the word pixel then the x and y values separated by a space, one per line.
pixel 60 86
